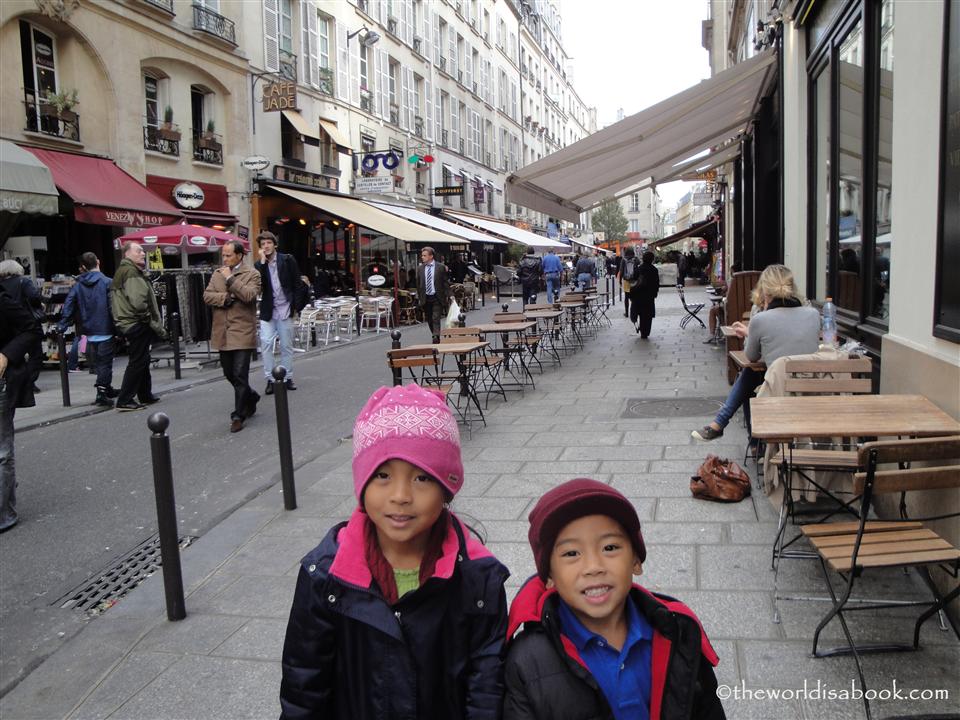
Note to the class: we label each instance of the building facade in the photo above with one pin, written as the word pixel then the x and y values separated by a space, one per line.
pixel 644 215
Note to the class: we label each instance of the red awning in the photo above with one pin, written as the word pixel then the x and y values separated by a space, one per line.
pixel 215 209
pixel 103 194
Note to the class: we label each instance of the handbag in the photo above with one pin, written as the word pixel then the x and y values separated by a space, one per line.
pixel 720 480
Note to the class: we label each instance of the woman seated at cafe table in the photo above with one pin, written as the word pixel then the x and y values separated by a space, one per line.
pixel 782 324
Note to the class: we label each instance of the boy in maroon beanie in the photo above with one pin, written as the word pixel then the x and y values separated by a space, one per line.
pixel 594 644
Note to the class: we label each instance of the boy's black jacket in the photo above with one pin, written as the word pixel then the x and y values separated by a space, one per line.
pixel 546 679
pixel 437 653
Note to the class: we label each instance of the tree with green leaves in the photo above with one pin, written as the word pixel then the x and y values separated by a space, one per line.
pixel 610 220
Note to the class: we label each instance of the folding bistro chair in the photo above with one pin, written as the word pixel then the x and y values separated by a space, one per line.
pixel 692 310
pixel 485 368
pixel 423 366
pixel 853 549
pixel 517 349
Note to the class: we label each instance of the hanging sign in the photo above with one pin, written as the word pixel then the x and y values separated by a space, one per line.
pixel 376 184
pixel 703 198
pixel 478 194
pixel 155 259
pixel 255 163
pixel 280 96
pixel 371 161
pixel 376 280
pixel 448 190
pixel 188 195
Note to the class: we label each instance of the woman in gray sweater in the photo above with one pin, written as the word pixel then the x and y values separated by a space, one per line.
pixel 783 326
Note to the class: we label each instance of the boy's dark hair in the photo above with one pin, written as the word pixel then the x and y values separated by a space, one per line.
pixel 89 261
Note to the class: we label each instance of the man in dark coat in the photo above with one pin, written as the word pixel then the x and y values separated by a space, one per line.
pixel 643 295
pixel 19 334
pixel 21 289
pixel 530 272
pixel 88 305
pixel 282 291
pixel 433 290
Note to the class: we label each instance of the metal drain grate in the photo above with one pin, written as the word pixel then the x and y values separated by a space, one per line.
pixel 638 408
pixel 108 586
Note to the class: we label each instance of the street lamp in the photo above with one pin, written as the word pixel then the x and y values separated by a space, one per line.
pixel 368 37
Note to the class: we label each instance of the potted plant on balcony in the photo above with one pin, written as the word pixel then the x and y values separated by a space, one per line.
pixel 60 105
pixel 168 131
pixel 208 138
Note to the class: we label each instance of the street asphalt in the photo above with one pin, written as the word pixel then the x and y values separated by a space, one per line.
pixel 590 417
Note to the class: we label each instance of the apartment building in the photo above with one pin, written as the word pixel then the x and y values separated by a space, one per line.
pixel 644 214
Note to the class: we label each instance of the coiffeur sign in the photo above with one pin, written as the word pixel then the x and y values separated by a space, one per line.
pixel 280 96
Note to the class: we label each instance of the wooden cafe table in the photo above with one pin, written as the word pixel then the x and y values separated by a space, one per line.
pixel 459 350
pixel 504 329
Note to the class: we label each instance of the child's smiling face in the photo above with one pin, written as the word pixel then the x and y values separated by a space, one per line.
pixel 592 566
pixel 403 502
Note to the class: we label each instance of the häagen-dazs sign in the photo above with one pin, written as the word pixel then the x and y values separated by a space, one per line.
pixel 188 195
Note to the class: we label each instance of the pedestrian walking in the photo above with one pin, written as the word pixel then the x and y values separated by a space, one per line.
pixel 594 643
pixel 433 290
pixel 19 334
pixel 399 612
pixel 136 316
pixel 88 307
pixel 552 273
pixel 643 295
pixel 531 269
pixel 586 272
pixel 282 295
pixel 627 272
pixel 22 289
pixel 232 293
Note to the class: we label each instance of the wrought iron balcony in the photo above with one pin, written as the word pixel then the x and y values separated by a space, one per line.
pixel 326 81
pixel 207 147
pixel 166 5
pixel 162 139
pixel 44 118
pixel 418 126
pixel 214 24
pixel 288 65
pixel 394 114
pixel 443 138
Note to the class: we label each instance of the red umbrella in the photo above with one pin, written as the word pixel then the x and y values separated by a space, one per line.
pixel 196 237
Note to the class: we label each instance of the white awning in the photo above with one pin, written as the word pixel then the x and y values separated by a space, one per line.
pixel 656 145
pixel 368 216
pixel 437 223
pixel 339 139
pixel 510 232
pixel 301 125
pixel 26 184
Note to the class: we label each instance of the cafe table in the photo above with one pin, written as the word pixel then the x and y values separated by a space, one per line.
pixel 504 329
pixel 460 350
pixel 741 360
pixel 573 307
pixel 550 332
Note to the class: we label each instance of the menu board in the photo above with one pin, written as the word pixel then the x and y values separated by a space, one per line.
pixel 946 323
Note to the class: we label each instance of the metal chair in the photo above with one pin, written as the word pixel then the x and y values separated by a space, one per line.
pixel 692 310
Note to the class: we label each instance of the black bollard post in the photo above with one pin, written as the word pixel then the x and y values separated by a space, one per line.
pixel 483 294
pixel 497 280
pixel 283 438
pixel 64 373
pixel 166 516
pixel 175 339
pixel 395 345
pixel 505 307
pixel 462 320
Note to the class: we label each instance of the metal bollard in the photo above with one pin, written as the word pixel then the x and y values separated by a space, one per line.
pixel 395 345
pixel 283 438
pixel 175 339
pixel 166 516
pixel 64 373
pixel 462 320
pixel 497 280
pixel 505 307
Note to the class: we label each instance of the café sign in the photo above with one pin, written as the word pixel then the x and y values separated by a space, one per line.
pixel 307 179
pixel 280 96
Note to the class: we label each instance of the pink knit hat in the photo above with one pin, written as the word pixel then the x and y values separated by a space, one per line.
pixel 407 423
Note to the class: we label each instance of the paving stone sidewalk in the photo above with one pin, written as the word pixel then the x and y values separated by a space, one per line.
pixel 222 661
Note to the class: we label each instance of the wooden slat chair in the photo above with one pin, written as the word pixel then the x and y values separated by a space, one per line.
pixel 815 377
pixel 853 549
pixel 738 307
pixel 423 367
pixel 485 367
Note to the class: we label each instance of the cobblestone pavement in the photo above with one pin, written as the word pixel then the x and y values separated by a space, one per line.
pixel 223 660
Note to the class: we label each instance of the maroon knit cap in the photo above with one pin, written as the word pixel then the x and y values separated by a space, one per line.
pixel 570 501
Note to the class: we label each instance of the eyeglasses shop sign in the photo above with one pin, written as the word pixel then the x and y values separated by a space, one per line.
pixel 188 195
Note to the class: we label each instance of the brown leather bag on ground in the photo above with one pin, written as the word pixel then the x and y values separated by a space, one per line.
pixel 720 480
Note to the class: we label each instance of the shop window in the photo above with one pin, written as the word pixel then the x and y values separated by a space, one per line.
pixel 151 99
pixel 207 142
pixel 946 320
pixel 38 52
pixel 850 171
pixel 880 305
pixel 291 144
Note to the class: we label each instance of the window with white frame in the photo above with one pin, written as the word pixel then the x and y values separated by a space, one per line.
pixel 635 202
pixel 286 25
pixel 323 31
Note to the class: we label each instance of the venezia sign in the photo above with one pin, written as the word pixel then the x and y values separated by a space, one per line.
pixel 280 96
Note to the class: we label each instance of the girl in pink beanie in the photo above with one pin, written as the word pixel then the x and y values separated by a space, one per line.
pixel 399 612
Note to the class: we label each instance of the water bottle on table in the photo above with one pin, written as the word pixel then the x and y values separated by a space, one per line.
pixel 828 323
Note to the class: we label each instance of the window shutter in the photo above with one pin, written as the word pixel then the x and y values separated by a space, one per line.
pixel 428 108
pixel 311 45
pixel 455 123
pixel 407 21
pixel 438 115
pixel 382 12
pixel 438 42
pixel 404 99
pixel 468 140
pixel 452 61
pixel 476 136
pixel 343 63
pixel 354 52
pixel 271 35
pixel 383 83
pixel 424 31
pixel 468 69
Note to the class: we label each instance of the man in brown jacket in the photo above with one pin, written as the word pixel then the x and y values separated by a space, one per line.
pixel 232 293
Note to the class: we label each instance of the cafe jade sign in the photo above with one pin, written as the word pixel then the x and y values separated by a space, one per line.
pixel 280 96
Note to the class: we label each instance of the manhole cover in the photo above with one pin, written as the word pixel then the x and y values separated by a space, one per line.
pixel 105 588
pixel 671 407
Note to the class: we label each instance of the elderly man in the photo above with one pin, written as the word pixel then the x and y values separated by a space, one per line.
pixel 19 335
pixel 136 316
pixel 432 290
pixel 232 293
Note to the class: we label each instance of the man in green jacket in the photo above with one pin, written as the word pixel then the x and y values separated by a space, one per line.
pixel 136 317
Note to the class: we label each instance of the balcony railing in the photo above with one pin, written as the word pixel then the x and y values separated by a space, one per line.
pixel 366 100
pixel 215 24
pixel 207 147
pixel 162 4
pixel 43 118
pixel 326 81
pixel 444 134
pixel 418 126
pixel 394 114
pixel 162 139
pixel 288 65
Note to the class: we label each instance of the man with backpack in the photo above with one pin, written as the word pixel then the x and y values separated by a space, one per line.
pixel 627 274
pixel 530 271
pixel 643 292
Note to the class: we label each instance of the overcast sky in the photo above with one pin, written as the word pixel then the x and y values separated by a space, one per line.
pixel 633 54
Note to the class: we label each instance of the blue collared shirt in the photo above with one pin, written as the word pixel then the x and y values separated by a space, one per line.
pixel 623 675
pixel 551 263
